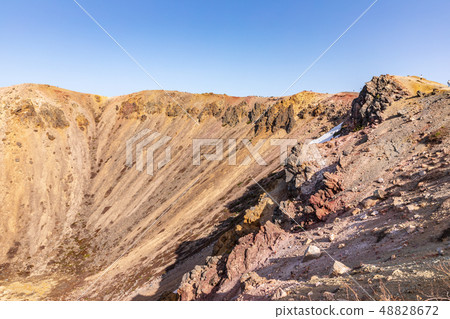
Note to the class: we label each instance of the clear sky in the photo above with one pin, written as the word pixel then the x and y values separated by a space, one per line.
pixel 235 47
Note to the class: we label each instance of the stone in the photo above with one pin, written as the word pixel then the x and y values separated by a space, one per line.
pixel 411 229
pixel 341 245
pixel 356 211
pixel 369 202
pixel 379 193
pixel 412 207
pixel 374 213
pixel 398 201
pixel 397 273
pixel 422 173
pixel 339 269
pixel 312 252
pixel 368 268
pixel 331 237
pixel 280 293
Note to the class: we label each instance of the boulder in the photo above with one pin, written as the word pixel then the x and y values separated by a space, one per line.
pixel 312 252
pixel 339 269
pixel 379 193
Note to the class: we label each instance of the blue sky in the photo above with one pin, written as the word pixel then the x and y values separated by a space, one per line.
pixel 233 47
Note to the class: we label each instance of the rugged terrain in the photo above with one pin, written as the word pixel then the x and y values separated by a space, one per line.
pixel 78 223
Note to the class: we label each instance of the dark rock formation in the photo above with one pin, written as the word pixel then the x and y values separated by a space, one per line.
pixel 276 117
pixel 235 114
pixel 212 109
pixel 375 97
pixel 299 171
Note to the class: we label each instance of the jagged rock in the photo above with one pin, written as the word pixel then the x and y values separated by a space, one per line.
pixel 256 111
pixel 280 293
pixel 312 252
pixel 339 269
pixel 322 201
pixel 212 109
pixel 251 249
pixel 235 114
pixel 202 280
pixel 274 118
pixel 228 271
pixel 375 97
pixel 301 172
pixel 251 280
pixel 286 212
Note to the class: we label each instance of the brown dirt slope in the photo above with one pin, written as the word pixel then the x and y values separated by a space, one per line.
pixel 70 207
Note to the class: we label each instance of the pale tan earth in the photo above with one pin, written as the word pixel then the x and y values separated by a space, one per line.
pixel 77 223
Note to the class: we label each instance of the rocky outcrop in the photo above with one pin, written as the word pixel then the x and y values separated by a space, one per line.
pixel 235 114
pixel 200 282
pixel 300 170
pixel 273 118
pixel 377 95
pixel 251 280
pixel 47 116
pixel 251 250
pixel 211 109
pixel 323 201
pixel 224 276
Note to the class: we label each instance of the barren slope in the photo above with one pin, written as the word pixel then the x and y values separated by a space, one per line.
pixel 379 204
pixel 71 208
